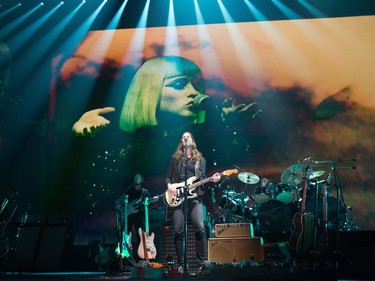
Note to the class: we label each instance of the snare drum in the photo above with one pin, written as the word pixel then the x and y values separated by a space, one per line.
pixel 284 193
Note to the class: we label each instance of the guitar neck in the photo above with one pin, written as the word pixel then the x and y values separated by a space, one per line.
pixel 126 214
pixel 146 216
pixel 303 205
pixel 198 183
pixel 146 230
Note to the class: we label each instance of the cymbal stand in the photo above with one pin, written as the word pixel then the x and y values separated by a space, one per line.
pixel 296 189
pixel 243 208
pixel 339 195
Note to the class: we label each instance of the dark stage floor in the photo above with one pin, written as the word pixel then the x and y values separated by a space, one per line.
pixel 223 272
pixel 354 259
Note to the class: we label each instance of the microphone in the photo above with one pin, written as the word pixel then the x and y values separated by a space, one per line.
pixel 201 100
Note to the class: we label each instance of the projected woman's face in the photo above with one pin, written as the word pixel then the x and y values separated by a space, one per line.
pixel 178 93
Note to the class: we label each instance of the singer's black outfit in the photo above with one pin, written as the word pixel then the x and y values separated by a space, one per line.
pixel 176 174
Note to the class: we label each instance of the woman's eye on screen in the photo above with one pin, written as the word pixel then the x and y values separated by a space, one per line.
pixel 178 84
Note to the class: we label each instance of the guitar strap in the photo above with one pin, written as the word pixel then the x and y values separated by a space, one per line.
pixel 198 173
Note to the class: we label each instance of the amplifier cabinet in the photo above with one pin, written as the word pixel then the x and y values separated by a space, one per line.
pixel 234 230
pixel 229 250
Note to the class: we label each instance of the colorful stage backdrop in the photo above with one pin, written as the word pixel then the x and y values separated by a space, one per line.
pixel 312 81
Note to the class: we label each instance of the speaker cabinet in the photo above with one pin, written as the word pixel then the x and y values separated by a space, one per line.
pixel 39 243
pixel 168 252
pixel 51 246
pixel 276 252
pixel 224 250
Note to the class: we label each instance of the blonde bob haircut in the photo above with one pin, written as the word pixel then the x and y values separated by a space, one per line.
pixel 141 104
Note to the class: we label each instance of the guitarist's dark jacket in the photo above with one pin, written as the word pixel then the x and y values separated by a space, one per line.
pixel 176 167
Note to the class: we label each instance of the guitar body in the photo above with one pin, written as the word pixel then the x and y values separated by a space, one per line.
pixel 146 249
pixel 124 247
pixel 176 199
pixel 302 238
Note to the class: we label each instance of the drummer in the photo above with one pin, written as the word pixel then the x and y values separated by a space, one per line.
pixel 265 191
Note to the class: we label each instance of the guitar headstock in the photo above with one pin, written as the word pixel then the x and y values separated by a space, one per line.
pixel 230 172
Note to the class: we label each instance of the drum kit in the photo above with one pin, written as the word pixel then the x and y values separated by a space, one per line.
pixel 271 207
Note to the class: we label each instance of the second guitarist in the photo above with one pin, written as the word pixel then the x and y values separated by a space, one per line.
pixel 136 196
pixel 188 158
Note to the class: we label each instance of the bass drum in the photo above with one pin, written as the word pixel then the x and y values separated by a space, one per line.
pixel 275 217
pixel 331 209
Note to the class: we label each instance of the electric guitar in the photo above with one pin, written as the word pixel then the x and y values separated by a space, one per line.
pixel 146 248
pixel 174 200
pixel 124 247
pixel 302 238
pixel 134 206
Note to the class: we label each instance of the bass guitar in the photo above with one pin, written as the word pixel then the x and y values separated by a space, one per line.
pixel 146 248
pixel 174 200
pixel 302 238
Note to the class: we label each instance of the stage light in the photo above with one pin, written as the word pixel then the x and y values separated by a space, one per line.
pixel 62 2
pixel 41 4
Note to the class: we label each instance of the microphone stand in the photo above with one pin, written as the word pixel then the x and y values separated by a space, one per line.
pixel 338 185
pixel 185 241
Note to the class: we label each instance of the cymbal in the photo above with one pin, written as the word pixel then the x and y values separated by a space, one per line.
pixel 229 192
pixel 293 174
pixel 316 174
pixel 248 178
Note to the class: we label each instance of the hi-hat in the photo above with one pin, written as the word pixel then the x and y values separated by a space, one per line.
pixel 248 178
pixel 293 174
pixel 230 192
pixel 316 174
pixel 241 196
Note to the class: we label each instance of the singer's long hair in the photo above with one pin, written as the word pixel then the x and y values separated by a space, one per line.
pixel 195 153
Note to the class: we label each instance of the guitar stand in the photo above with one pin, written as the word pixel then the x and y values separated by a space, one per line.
pixel 119 262
pixel 9 260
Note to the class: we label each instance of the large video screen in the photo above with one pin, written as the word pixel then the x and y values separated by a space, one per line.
pixel 277 100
